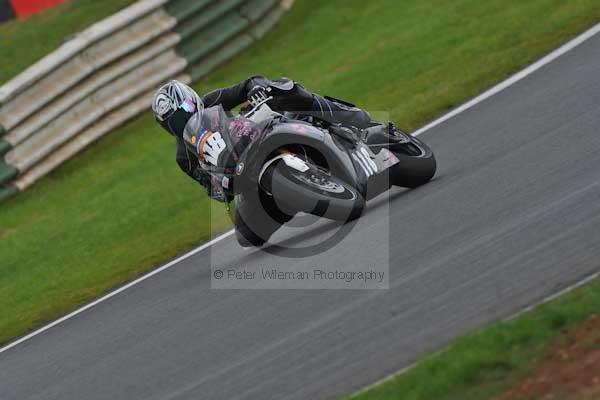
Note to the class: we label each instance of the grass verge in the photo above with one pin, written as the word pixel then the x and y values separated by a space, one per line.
pixel 483 364
pixel 122 207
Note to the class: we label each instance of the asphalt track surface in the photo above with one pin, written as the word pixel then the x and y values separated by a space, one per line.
pixel 512 217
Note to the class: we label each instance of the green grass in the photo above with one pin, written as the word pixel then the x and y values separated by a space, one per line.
pixel 481 365
pixel 415 59
pixel 101 220
pixel 123 207
pixel 23 42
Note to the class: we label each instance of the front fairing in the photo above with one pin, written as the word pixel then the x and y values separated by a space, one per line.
pixel 202 125
pixel 219 141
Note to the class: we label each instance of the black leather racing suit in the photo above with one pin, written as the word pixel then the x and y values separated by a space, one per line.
pixel 287 96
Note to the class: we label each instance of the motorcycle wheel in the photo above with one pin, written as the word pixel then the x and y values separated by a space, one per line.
pixel 314 191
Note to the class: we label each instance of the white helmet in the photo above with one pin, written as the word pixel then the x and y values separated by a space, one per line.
pixel 173 106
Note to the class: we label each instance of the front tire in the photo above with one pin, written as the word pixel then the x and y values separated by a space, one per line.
pixel 416 166
pixel 313 191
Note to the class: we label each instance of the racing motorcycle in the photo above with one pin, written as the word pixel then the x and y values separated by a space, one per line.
pixel 310 164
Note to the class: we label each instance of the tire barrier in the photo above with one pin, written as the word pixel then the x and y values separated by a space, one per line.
pixel 106 75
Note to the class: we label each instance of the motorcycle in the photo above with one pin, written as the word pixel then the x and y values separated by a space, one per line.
pixel 310 164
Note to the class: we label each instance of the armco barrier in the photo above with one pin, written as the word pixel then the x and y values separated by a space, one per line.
pixel 105 76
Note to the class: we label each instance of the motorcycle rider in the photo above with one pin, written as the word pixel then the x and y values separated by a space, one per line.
pixel 178 109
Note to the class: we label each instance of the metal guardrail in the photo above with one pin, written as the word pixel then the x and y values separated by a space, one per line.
pixel 105 76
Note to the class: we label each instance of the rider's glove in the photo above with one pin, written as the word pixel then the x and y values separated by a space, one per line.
pixel 258 94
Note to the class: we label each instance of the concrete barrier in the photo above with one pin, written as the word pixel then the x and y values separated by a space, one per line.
pixel 93 108
pixel 55 82
pixel 76 45
pixel 89 135
pixel 105 76
pixel 87 87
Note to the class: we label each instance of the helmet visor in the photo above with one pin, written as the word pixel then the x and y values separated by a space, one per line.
pixel 176 122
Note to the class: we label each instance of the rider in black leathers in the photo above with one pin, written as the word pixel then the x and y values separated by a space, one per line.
pixel 287 96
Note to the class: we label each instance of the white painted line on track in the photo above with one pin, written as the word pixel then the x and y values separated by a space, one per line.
pixel 117 291
pixel 499 87
pixel 485 95
pixel 553 296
